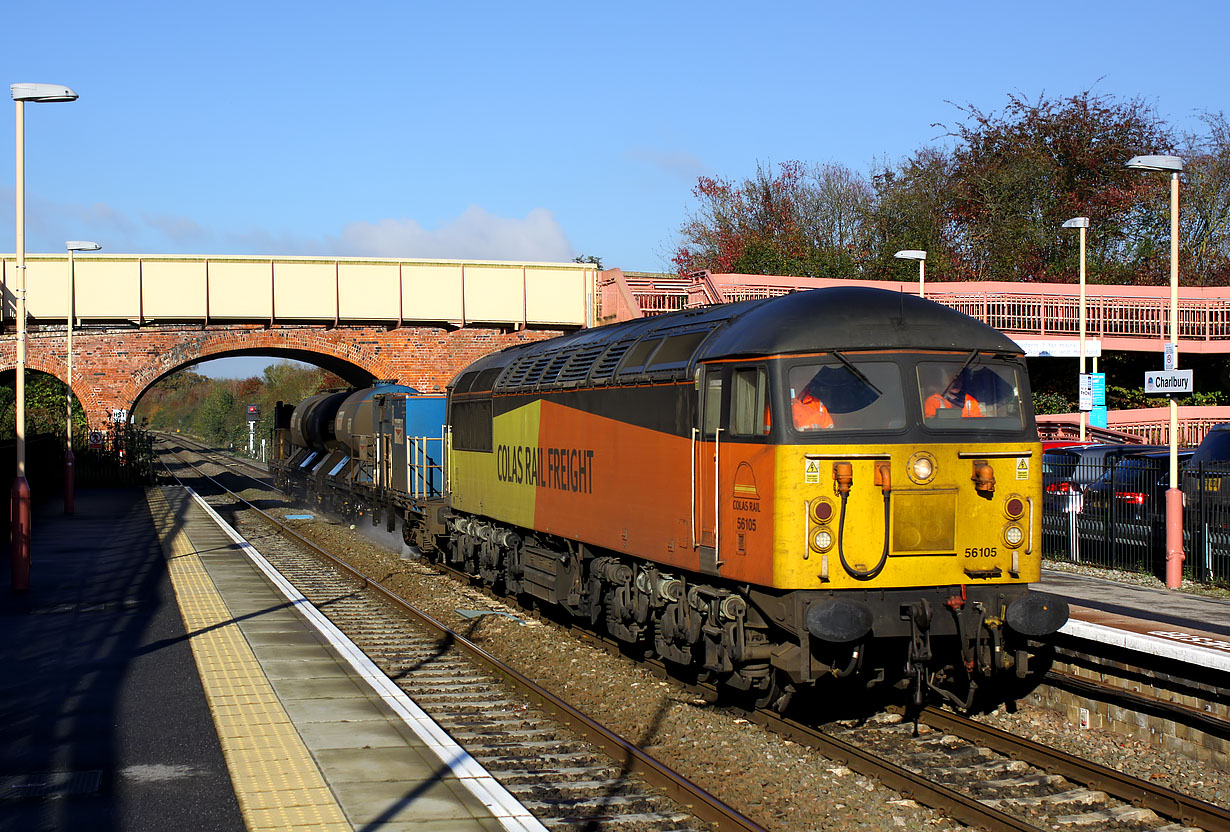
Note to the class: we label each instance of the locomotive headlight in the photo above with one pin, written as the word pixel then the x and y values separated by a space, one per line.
pixel 822 541
pixel 921 467
pixel 1013 535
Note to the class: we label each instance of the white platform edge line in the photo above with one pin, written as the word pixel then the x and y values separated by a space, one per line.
pixel 1153 645
pixel 506 808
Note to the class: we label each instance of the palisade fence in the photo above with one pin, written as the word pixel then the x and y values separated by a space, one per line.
pixel 125 458
pixel 1115 517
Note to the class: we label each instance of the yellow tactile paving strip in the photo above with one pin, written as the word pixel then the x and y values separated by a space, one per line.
pixel 276 781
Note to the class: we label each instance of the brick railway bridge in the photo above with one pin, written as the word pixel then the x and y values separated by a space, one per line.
pixel 140 318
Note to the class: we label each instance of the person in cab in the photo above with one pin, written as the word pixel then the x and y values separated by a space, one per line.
pixel 953 396
pixel 808 412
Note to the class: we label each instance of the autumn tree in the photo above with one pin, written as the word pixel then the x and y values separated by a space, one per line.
pixel 792 220
pixel 1204 214
pixel 989 206
pixel 1019 172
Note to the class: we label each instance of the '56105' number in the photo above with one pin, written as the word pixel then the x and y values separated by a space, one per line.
pixel 981 551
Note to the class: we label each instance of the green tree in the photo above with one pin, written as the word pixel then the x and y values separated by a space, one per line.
pixel 1019 172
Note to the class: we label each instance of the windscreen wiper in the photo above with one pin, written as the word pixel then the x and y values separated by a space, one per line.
pixel 968 361
pixel 859 373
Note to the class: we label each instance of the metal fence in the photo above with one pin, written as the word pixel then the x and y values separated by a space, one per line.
pixel 1114 515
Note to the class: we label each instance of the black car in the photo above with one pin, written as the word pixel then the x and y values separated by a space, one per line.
pixel 1206 483
pixel 1133 487
pixel 1067 472
pixel 1206 505
pixel 1123 522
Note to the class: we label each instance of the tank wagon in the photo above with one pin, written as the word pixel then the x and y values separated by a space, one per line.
pixel 839 483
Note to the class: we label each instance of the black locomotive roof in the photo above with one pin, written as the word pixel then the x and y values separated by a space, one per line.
pixel 853 318
pixel 817 320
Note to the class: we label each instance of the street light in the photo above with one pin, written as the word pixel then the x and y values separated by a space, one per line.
pixel 20 517
pixel 69 317
pixel 921 257
pixel 1082 223
pixel 1174 496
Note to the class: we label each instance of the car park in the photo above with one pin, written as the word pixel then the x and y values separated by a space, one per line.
pixel 1066 473
pixel 1123 521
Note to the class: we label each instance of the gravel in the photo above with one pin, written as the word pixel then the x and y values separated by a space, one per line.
pixel 780 784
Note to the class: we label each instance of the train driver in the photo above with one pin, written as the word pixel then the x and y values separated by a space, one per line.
pixel 809 412
pixel 953 396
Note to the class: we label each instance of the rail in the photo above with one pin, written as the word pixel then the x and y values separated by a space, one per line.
pixel 705 805
pixel 1133 790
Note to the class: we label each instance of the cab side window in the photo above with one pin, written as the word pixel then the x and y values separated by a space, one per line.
pixel 712 406
pixel 749 413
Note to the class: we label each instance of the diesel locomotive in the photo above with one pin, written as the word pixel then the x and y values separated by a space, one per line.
pixel 836 484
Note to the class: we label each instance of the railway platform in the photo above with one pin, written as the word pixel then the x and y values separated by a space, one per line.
pixel 1171 625
pixel 156 676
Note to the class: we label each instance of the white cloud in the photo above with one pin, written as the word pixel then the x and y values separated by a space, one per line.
pixel 476 234
pixel 685 166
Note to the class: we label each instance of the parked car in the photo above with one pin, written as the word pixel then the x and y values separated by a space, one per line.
pixel 1068 471
pixel 1207 480
pixel 1133 487
pixel 1206 503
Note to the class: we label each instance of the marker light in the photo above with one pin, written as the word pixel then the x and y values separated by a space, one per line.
pixel 921 467
pixel 822 511
pixel 823 540
pixel 1013 536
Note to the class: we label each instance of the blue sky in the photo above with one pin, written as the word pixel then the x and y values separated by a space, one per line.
pixel 521 131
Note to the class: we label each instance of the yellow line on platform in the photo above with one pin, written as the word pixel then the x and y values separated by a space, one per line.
pixel 276 781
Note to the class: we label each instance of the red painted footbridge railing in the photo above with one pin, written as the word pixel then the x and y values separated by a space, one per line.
pixel 1122 317
pixel 1131 318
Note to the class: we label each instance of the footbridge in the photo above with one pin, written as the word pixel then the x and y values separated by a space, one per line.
pixel 1129 318
pixel 1122 318
pixel 139 318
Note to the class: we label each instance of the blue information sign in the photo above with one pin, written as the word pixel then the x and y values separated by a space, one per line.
pixel 1097 416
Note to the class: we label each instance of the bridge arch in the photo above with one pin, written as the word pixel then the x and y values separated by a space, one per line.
pixel 113 367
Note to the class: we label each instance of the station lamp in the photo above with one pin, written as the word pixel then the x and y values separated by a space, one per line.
pixel 1172 165
pixel 1082 223
pixel 20 517
pixel 70 317
pixel 921 257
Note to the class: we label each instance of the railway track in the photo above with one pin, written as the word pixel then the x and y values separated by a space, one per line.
pixel 975 774
pixel 567 769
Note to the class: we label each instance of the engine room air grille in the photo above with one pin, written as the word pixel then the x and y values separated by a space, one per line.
pixel 577 368
pixel 553 369
pixel 536 369
pixel 515 376
pixel 606 364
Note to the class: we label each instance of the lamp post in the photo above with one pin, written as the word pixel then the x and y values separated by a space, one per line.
pixel 1082 223
pixel 69 318
pixel 921 257
pixel 20 517
pixel 1172 165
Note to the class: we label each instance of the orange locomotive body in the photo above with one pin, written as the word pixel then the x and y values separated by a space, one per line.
pixel 670 481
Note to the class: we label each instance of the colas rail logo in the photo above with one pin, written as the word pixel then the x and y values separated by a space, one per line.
pixel 745 501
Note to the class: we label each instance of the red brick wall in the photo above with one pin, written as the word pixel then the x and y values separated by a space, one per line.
pixel 112 368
